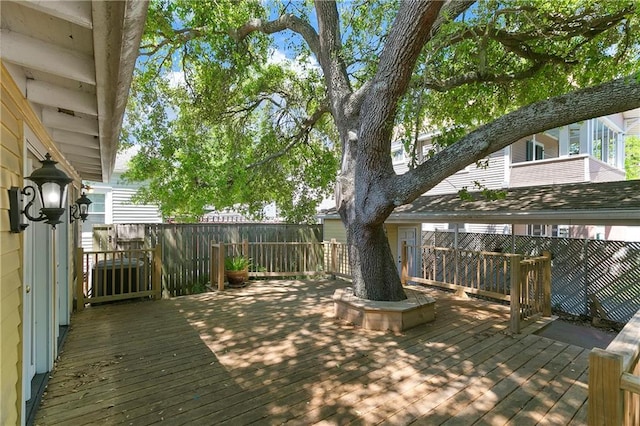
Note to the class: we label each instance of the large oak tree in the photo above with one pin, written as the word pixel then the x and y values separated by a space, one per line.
pixel 244 103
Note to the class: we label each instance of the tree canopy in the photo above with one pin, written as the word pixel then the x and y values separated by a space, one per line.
pixel 230 108
pixel 632 158
pixel 243 103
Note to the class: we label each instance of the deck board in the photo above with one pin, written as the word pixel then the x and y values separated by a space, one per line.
pixel 272 353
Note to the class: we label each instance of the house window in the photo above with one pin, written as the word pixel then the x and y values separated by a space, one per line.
pixel 535 150
pixel 397 155
pixel 537 230
pixel 563 231
pixel 574 139
pixel 604 143
pixel 97 212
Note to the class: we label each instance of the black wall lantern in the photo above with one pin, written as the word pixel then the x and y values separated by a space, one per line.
pixel 51 191
pixel 80 210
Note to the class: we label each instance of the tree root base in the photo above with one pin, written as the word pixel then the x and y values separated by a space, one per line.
pixel 416 310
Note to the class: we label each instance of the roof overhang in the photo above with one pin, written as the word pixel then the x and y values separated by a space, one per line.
pixel 74 61
pixel 606 203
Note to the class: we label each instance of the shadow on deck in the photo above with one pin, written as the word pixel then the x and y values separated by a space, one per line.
pixel 272 353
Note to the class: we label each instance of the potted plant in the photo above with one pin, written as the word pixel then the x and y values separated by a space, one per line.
pixel 237 270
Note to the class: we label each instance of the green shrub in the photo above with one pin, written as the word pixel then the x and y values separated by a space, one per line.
pixel 236 263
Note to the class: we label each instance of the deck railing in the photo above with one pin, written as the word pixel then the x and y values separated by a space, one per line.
pixel 337 259
pixel 488 274
pixel 110 275
pixel 614 379
pixel 482 273
pixel 279 259
pixel 532 297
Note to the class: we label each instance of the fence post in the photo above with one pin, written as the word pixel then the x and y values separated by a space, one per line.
pixel 334 257
pixel 79 279
pixel 515 292
pixel 456 259
pixel 404 264
pixel 220 261
pixel 245 248
pixel 586 276
pixel 606 398
pixel 546 284
pixel 157 272
pixel 212 264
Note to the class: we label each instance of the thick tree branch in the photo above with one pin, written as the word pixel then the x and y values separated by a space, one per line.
pixel 616 96
pixel 449 11
pixel 478 77
pixel 410 31
pixel 584 25
pixel 284 22
pixel 330 55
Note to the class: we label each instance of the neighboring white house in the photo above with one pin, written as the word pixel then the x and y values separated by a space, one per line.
pixel 590 151
pixel 111 202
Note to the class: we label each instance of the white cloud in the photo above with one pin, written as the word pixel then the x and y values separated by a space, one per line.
pixel 299 65
pixel 176 79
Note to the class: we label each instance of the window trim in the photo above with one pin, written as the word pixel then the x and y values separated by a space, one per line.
pixel 532 150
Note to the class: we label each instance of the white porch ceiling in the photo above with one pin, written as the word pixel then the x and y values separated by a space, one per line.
pixel 632 122
pixel 74 60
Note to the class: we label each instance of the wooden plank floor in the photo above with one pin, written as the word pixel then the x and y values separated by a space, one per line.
pixel 273 354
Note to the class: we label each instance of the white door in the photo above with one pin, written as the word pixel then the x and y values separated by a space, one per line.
pixel 407 235
pixel 37 347
pixel 43 302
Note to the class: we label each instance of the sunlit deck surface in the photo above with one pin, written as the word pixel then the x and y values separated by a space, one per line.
pixel 272 353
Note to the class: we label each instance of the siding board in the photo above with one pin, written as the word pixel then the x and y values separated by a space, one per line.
pixel 492 177
pixel 9 140
pixel 124 211
pixel 11 158
pixel 12 109
pixel 9 243
pixel 562 170
pixel 602 172
pixel 333 228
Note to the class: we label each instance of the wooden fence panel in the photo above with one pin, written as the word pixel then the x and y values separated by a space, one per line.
pixel 186 247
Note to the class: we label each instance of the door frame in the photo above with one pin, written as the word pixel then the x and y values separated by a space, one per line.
pixel 39 326
pixel 411 252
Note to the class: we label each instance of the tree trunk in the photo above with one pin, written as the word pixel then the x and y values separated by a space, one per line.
pixel 373 268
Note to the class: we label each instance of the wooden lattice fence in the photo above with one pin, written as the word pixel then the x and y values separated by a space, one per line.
pixel 608 271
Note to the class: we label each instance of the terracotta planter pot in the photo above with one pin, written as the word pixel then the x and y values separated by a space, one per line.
pixel 237 278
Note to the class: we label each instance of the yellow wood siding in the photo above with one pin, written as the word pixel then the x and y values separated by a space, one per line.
pixel 11 159
pixel 333 228
pixel 392 235
pixel 16 113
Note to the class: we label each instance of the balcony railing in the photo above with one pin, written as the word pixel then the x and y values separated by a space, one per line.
pixel 571 169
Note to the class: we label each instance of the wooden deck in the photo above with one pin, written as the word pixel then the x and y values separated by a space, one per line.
pixel 272 354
